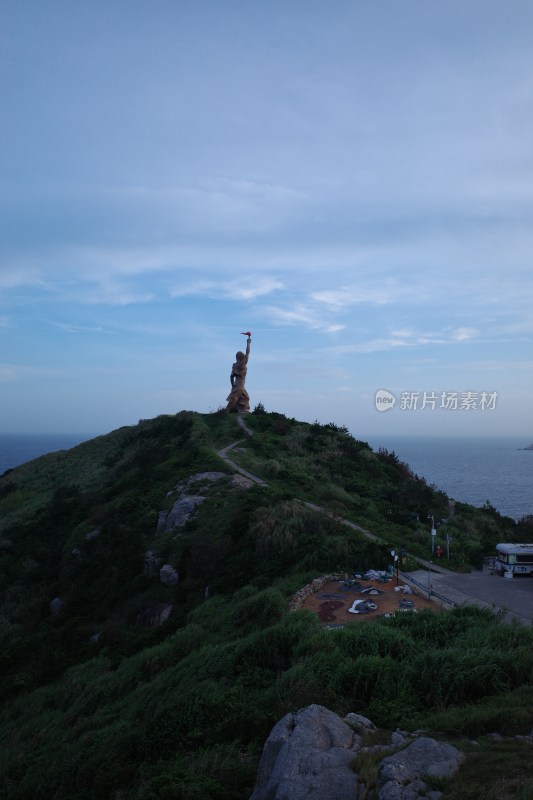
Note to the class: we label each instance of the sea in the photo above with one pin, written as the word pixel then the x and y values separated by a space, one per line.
pixel 17 448
pixel 471 470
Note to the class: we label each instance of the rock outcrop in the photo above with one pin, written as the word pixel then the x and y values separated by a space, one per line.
pixel 359 723
pixel 308 755
pixel 311 755
pixel 168 575
pixel 56 606
pixel 425 756
pixel 192 494
pixel 155 615
pixel 180 513
pixel 186 505
pixel 401 776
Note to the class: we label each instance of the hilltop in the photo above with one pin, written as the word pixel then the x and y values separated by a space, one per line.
pixel 147 647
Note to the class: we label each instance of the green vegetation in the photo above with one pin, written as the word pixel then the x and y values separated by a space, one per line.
pixel 493 771
pixel 96 704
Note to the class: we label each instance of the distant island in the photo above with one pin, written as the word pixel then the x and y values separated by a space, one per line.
pixel 530 447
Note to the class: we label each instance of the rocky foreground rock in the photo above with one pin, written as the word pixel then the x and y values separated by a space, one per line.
pixel 311 755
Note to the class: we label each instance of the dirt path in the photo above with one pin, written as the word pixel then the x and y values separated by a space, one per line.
pixel 338 518
pixel 224 455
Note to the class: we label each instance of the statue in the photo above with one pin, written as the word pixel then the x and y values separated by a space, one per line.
pixel 238 399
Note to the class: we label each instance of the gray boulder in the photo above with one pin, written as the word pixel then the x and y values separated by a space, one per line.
pixel 162 520
pixel 395 791
pixel 308 755
pixel 168 575
pixel 359 723
pixel 155 615
pixel 186 505
pixel 399 738
pixel 180 513
pixel 401 775
pixel 206 476
pixel 414 791
pixel 56 606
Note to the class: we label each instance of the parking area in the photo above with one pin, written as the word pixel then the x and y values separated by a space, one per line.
pixel 484 589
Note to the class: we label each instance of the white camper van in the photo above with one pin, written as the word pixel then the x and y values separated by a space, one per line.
pixel 514 558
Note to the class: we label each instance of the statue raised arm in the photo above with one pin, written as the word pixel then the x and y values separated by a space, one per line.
pixel 238 399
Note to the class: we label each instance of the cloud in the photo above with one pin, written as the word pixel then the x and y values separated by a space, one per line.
pixel 447 275
pixel 406 338
pixel 522 327
pixel 245 288
pixel 464 334
pixel 338 299
pixel 500 366
pixel 69 328
pixel 14 276
pixel 250 289
pixel 222 207
pixel 106 292
pixel 300 314
pixel 445 336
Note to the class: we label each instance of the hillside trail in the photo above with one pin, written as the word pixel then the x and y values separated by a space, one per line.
pixel 459 589
pixel 260 482
pixel 233 464
pixel 313 506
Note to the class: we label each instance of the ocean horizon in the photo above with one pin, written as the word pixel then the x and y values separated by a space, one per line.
pixel 18 448
pixel 469 469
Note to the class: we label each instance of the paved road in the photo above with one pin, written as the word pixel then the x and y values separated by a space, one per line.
pixel 483 589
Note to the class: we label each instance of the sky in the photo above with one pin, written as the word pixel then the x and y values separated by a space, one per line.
pixel 352 181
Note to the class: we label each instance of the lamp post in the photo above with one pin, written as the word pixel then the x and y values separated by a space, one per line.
pixel 396 559
pixel 433 533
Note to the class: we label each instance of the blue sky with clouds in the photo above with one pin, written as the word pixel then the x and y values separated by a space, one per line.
pixel 352 181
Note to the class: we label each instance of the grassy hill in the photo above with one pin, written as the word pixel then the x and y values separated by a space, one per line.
pixel 98 704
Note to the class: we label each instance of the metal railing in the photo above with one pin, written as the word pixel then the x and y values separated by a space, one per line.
pixel 429 591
